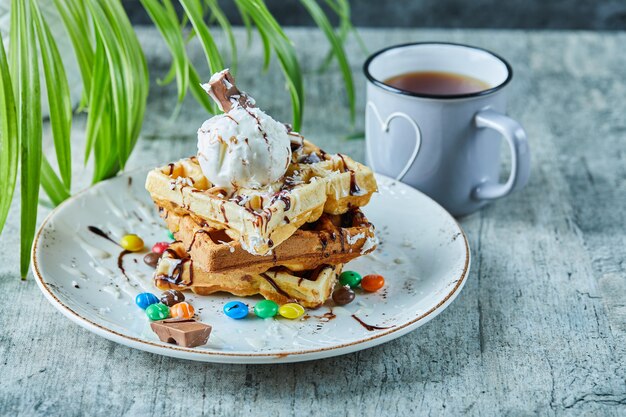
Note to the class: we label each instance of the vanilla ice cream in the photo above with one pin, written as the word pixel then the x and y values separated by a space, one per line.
pixel 243 147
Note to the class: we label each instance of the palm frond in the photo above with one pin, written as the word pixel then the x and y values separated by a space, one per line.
pixel 336 44
pixel 9 145
pixel 25 71
pixel 59 101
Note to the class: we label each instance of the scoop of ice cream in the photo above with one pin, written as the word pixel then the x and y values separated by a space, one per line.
pixel 243 148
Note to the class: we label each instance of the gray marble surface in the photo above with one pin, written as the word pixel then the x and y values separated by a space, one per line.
pixel 540 327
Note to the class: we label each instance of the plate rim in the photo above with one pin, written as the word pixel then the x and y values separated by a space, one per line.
pixel 206 356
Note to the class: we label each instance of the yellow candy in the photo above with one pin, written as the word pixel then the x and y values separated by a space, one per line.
pixel 291 311
pixel 132 243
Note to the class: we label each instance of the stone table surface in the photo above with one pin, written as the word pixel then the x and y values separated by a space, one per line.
pixel 540 327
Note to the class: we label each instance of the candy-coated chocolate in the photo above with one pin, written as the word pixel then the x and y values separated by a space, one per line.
pixel 343 295
pixel 132 243
pixel 236 310
pixel 182 310
pixel 170 235
pixel 291 311
pixel 145 299
pixel 172 297
pixel 152 259
pixel 266 309
pixel 160 247
pixel 372 282
pixel 158 311
pixel 351 278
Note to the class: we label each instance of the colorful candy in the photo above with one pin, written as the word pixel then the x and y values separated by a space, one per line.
pixel 170 235
pixel 372 282
pixel 182 310
pixel 158 311
pixel 160 247
pixel 132 243
pixel 145 299
pixel 343 295
pixel 266 309
pixel 172 297
pixel 152 259
pixel 351 278
pixel 236 310
pixel 291 311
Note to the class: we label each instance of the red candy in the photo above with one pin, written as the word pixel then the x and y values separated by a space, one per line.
pixel 160 247
pixel 373 282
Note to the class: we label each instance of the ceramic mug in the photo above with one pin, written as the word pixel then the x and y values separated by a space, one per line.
pixel 446 146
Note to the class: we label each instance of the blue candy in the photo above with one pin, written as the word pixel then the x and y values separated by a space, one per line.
pixel 145 299
pixel 236 310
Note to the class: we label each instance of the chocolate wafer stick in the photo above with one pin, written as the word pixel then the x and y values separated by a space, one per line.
pixel 224 92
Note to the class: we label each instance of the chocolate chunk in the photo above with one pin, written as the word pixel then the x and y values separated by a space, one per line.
pixel 182 332
pixel 225 93
pixel 344 295
pixel 152 259
pixel 171 297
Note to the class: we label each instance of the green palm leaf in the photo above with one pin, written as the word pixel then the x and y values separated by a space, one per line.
pixel 58 96
pixel 9 145
pixel 25 72
pixel 166 21
pixel 336 44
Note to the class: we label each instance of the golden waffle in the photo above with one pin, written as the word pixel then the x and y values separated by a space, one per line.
pixel 176 270
pixel 332 239
pixel 315 182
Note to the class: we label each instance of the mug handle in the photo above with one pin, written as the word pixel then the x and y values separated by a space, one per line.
pixel 384 125
pixel 515 135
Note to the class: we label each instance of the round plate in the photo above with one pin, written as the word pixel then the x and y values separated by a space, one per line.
pixel 423 254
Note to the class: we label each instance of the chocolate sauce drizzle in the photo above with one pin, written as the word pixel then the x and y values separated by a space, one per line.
pixel 193 239
pixel 369 327
pixel 223 209
pixel 354 187
pixel 283 196
pixel 120 263
pixel 276 287
pixel 99 232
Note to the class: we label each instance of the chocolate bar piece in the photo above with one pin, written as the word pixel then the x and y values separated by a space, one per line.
pixel 224 91
pixel 182 332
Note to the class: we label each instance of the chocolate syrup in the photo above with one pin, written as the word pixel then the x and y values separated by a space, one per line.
pixel 286 219
pixel 120 263
pixel 193 239
pixel 99 232
pixel 284 197
pixel 354 187
pixel 276 287
pixel 323 241
pixel 369 327
pixel 130 181
pixel 224 213
pixel 270 243
pixel 171 166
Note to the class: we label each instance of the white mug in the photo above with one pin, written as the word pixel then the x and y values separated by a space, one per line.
pixel 446 146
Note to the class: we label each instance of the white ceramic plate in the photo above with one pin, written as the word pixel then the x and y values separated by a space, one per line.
pixel 423 255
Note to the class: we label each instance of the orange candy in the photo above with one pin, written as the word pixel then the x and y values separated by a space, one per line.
pixel 372 282
pixel 182 310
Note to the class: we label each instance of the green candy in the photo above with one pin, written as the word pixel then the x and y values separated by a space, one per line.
pixel 170 235
pixel 350 278
pixel 266 309
pixel 158 311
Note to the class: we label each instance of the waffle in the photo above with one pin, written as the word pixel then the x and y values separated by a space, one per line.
pixel 176 270
pixel 332 239
pixel 315 183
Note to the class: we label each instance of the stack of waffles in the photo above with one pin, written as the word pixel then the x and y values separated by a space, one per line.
pixel 286 241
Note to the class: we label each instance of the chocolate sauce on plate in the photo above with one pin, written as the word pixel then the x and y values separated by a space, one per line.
pixel 99 232
pixel 369 327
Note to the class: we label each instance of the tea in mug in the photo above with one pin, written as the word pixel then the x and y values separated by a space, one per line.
pixel 437 83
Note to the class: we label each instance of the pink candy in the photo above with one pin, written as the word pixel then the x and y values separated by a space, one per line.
pixel 160 247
